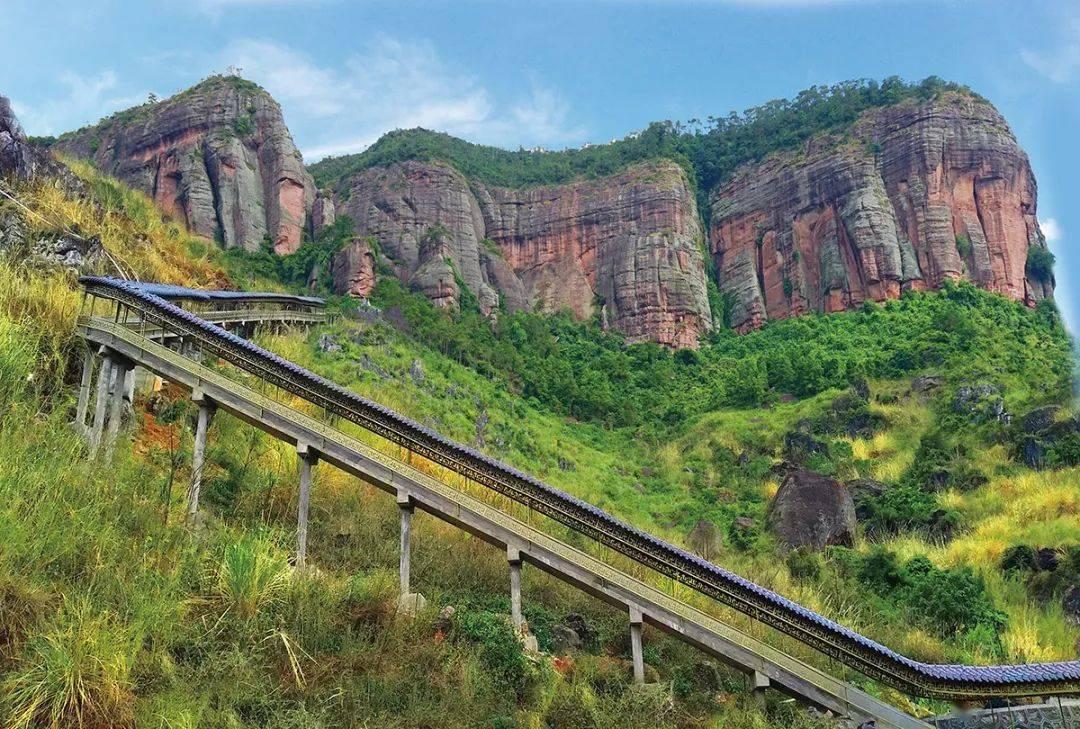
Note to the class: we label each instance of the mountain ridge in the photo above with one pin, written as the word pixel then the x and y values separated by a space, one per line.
pixel 429 203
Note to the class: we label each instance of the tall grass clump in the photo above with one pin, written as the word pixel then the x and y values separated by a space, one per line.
pixel 252 576
pixel 74 673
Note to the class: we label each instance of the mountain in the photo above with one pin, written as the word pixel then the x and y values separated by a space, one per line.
pixel 916 194
pixel 217 157
pixel 846 194
pixel 945 419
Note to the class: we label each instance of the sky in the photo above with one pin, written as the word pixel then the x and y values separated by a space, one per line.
pixel 553 73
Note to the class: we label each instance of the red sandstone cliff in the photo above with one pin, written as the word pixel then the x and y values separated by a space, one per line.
pixel 627 246
pixel 217 156
pixel 917 193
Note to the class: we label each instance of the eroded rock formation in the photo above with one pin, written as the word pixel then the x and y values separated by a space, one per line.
pixel 627 246
pixel 217 156
pixel 916 194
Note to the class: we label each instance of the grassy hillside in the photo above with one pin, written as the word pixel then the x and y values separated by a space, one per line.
pixel 114 613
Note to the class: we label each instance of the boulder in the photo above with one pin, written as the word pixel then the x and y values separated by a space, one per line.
pixel 1039 419
pixel 327 343
pixel 927 383
pixel 580 626
pixel 800 445
pixel 564 639
pixel 981 403
pixel 1070 603
pixel 812 511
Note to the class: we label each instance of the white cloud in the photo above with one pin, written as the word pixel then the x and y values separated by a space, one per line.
pixel 1058 63
pixel 394 84
pixel 87 98
pixel 214 8
pixel 1051 228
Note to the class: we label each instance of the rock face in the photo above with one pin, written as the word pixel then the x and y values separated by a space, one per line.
pixel 353 269
pixel 626 246
pixel 812 511
pixel 21 160
pixel 217 156
pixel 15 159
pixel 918 193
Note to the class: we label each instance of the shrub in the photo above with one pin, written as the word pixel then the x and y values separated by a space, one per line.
pixel 1040 263
pixel 947 602
pixel 574 706
pixel 500 650
pixel 803 564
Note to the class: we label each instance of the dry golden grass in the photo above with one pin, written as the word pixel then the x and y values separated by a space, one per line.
pixel 139 240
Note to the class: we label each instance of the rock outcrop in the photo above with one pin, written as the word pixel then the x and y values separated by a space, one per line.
pixel 353 268
pixel 217 156
pixel 15 157
pixel 21 160
pixel 914 195
pixel 626 247
pixel 812 511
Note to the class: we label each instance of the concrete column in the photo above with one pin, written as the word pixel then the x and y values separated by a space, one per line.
pixel 635 644
pixel 116 407
pixel 406 506
pixel 129 391
pixel 101 403
pixel 513 558
pixel 308 458
pixel 84 390
pixel 758 683
pixel 198 455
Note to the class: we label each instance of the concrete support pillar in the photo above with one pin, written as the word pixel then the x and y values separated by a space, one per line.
pixel 635 644
pixel 513 558
pixel 308 457
pixel 406 507
pixel 758 683
pixel 121 368
pixel 129 391
pixel 198 454
pixel 101 403
pixel 84 390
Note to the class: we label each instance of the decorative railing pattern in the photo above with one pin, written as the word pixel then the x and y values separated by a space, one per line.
pixel 949 682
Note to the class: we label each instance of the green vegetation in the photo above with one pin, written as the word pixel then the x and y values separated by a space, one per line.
pixel 575 369
pixel 963 246
pixel 252 270
pixel 114 612
pixel 1040 263
pixel 709 150
pixel 141 111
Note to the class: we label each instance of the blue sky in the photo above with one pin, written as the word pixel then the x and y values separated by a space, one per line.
pixel 554 73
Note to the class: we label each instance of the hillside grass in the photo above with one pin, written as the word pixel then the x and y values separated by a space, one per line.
pixel 115 613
